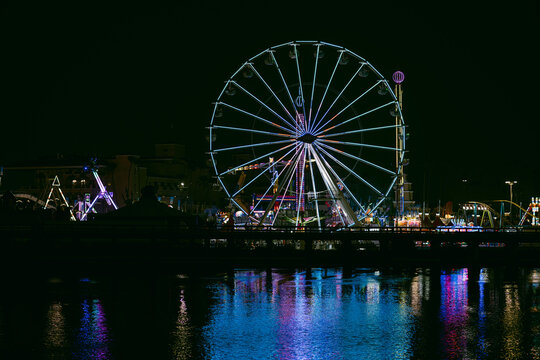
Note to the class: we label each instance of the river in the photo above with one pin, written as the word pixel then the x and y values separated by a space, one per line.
pixel 317 313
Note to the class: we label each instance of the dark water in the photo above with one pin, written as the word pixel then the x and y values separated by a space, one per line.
pixel 424 313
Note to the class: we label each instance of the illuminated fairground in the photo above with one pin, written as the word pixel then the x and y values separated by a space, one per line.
pixel 304 134
pixel 309 132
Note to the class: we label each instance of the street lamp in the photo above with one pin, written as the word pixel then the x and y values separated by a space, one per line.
pixel 510 183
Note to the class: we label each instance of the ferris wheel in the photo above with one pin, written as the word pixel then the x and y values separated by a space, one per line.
pixel 306 131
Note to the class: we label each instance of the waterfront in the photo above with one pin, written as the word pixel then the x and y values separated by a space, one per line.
pixel 321 313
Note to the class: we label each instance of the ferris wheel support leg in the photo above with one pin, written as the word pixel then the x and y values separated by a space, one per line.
pixel 382 196
pixel 352 172
pixel 314 188
pixel 343 182
pixel 300 195
pixel 337 195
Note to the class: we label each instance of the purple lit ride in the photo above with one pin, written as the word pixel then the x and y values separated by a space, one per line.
pixel 84 207
pixel 308 120
pixel 103 194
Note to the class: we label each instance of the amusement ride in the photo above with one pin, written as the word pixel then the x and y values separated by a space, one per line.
pixel 308 132
pixel 83 206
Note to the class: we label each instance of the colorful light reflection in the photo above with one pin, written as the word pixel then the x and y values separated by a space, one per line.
pixel 319 315
pixel 453 314
pixel 93 335
pixel 55 336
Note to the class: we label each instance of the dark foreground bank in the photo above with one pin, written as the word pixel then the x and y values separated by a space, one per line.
pixel 181 246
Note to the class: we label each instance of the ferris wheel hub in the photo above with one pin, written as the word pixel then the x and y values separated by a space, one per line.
pixel 307 138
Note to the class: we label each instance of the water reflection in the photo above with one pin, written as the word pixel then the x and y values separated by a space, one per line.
pixel 318 313
pixel 482 343
pixel 93 334
pixel 308 315
pixel 419 291
pixel 454 314
pixel 512 323
pixel 534 312
pixel 183 332
pixel 376 314
pixel 55 333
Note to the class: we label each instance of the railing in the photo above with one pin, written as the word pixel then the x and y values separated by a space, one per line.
pixel 397 230
pixel 201 244
pixel 143 227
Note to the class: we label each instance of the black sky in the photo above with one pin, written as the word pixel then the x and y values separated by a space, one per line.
pixel 90 79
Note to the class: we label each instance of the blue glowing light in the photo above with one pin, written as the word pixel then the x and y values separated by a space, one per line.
pixel 320 316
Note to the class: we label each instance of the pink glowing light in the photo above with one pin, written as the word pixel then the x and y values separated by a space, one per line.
pixel 398 77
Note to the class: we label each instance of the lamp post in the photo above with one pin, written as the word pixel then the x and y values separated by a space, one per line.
pixel 510 183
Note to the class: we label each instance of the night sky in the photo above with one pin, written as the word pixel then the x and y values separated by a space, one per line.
pixel 97 80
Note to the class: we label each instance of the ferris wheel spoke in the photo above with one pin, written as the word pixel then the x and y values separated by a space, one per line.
pixel 252 131
pixel 274 60
pixel 252 162
pixel 354 118
pixel 273 182
pixel 337 195
pixel 314 187
pixel 256 117
pixel 358 158
pixel 359 131
pixel 251 145
pixel 358 144
pixel 288 176
pixel 341 92
pixel 350 170
pixel 300 195
pixel 272 92
pixel 313 85
pixel 331 169
pixel 261 102
pixel 310 130
pixel 259 175
pixel 300 88
pixel 348 105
